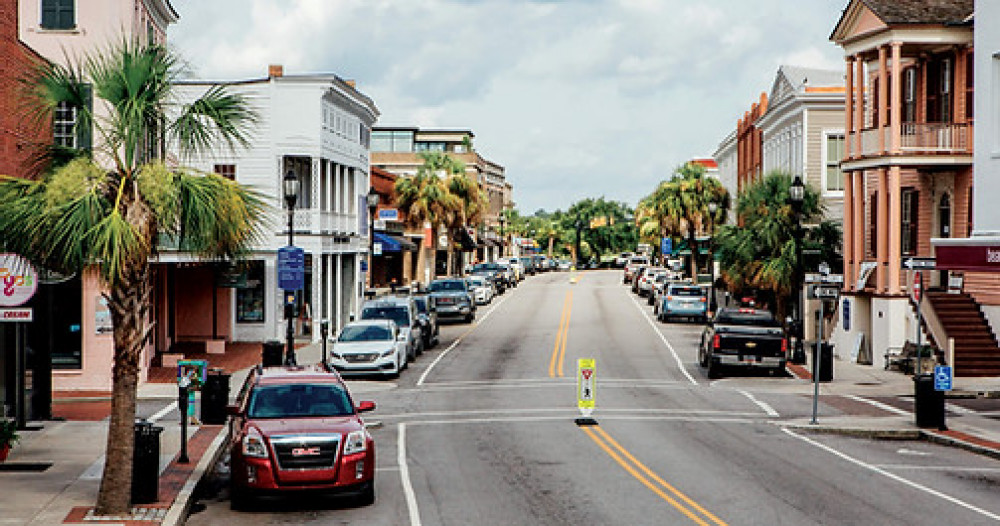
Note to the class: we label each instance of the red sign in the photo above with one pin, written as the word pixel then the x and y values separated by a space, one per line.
pixel 586 373
pixel 917 286
pixel 16 315
pixel 982 258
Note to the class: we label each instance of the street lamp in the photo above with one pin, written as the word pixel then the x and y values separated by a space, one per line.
pixel 290 185
pixel 579 232
pixel 372 200
pixel 503 241
pixel 713 207
pixel 796 195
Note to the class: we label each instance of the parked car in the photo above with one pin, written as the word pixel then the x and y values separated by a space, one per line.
pixel 296 429
pixel 644 287
pixel 743 338
pixel 683 301
pixel 622 259
pixel 529 265
pixel 564 265
pixel 517 267
pixel 482 290
pixel 657 285
pixel 639 272
pixel 496 274
pixel 453 298
pixel 369 347
pixel 634 263
pixel 427 314
pixel 403 311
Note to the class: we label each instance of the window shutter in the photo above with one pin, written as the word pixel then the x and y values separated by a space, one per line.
pixel 50 14
pixel 58 14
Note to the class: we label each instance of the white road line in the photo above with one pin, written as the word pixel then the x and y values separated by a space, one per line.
pixel 404 474
pixel 918 467
pixel 880 405
pixel 959 410
pixel 518 382
pixel 763 405
pixel 555 384
pixel 454 344
pixel 162 413
pixel 568 419
pixel 895 477
pixel 568 411
pixel 665 342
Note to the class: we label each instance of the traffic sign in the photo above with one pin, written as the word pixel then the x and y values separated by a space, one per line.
pixel 942 378
pixel 666 246
pixel 585 384
pixel 21 314
pixel 824 292
pixel 376 249
pixel 917 287
pixel 291 268
pixel 919 263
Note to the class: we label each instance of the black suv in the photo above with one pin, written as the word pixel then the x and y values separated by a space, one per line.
pixel 427 314
pixel 453 298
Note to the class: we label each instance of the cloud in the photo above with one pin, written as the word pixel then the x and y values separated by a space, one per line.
pixel 575 98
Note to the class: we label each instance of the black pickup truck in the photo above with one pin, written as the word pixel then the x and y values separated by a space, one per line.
pixel 743 338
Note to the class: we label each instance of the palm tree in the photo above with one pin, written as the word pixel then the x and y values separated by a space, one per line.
pixel 680 206
pixel 761 252
pixel 425 198
pixel 82 215
pixel 472 201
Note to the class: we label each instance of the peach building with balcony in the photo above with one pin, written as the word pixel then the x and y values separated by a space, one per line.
pixel 908 174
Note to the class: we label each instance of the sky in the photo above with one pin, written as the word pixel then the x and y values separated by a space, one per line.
pixel 575 98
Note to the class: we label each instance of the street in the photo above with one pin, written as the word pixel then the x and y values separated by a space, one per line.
pixel 480 430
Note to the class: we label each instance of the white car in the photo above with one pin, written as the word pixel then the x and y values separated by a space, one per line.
pixel 482 291
pixel 369 347
pixel 518 268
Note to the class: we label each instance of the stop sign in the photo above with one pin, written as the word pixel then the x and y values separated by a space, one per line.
pixel 916 289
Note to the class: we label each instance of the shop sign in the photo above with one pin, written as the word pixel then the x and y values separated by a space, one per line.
pixel 388 214
pixel 22 314
pixel 18 280
pixel 981 258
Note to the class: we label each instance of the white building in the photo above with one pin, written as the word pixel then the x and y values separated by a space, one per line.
pixel 804 131
pixel 726 159
pixel 319 127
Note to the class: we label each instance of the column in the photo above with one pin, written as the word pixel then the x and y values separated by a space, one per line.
pixel 848 242
pixel 848 112
pixel 894 226
pixel 883 90
pixel 895 119
pixel 859 101
pixel 859 220
pixel 961 63
pixel 338 312
pixel 882 241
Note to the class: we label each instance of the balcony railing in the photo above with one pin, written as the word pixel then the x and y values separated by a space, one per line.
pixel 325 222
pixel 936 137
pixel 920 138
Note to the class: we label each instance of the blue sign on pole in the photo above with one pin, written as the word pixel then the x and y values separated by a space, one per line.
pixel 291 268
pixel 942 378
pixel 666 246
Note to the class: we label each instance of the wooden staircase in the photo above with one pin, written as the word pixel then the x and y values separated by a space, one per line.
pixel 976 350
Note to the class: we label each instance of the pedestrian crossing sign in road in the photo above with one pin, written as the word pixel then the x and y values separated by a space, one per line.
pixel 585 382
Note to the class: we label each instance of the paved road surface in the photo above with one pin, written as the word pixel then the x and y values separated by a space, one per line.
pixel 480 431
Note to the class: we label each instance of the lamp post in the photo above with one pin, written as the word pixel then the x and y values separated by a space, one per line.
pixel 372 200
pixel 713 207
pixel 796 195
pixel 579 232
pixel 503 241
pixel 290 185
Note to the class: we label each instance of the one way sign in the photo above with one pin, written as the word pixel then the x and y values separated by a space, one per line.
pixel 919 263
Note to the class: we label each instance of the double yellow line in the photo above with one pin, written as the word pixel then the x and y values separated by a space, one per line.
pixel 651 480
pixel 559 350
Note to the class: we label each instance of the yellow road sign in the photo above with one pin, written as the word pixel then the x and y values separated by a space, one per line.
pixel 585 383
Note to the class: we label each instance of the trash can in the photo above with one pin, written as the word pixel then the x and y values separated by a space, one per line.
pixel 928 403
pixel 825 363
pixel 272 354
pixel 146 463
pixel 215 397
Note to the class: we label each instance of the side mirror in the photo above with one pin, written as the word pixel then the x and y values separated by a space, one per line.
pixel 366 406
pixel 233 410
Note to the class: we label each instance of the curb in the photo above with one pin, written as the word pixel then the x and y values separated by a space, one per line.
pixel 181 506
pixel 879 434
pixel 945 440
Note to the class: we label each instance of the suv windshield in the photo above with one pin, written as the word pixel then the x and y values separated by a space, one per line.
pixel 396 314
pixel 755 318
pixel 299 400
pixel 364 333
pixel 686 291
pixel 448 285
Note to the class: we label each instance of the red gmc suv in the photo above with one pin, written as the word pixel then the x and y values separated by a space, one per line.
pixel 296 429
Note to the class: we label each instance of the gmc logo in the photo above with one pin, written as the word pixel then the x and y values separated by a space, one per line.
pixel 305 451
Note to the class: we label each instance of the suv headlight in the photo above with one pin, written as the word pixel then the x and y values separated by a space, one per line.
pixel 253 444
pixel 388 353
pixel 356 442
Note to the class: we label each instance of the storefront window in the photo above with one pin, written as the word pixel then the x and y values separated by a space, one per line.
pixel 250 299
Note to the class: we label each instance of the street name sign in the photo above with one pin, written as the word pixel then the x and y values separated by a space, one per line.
pixel 291 268
pixel 919 263
pixel 824 292
pixel 585 383
pixel 942 378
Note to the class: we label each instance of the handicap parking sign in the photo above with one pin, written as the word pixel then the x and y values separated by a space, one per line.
pixel 942 378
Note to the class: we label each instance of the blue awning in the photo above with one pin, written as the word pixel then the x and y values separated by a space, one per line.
pixel 392 243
